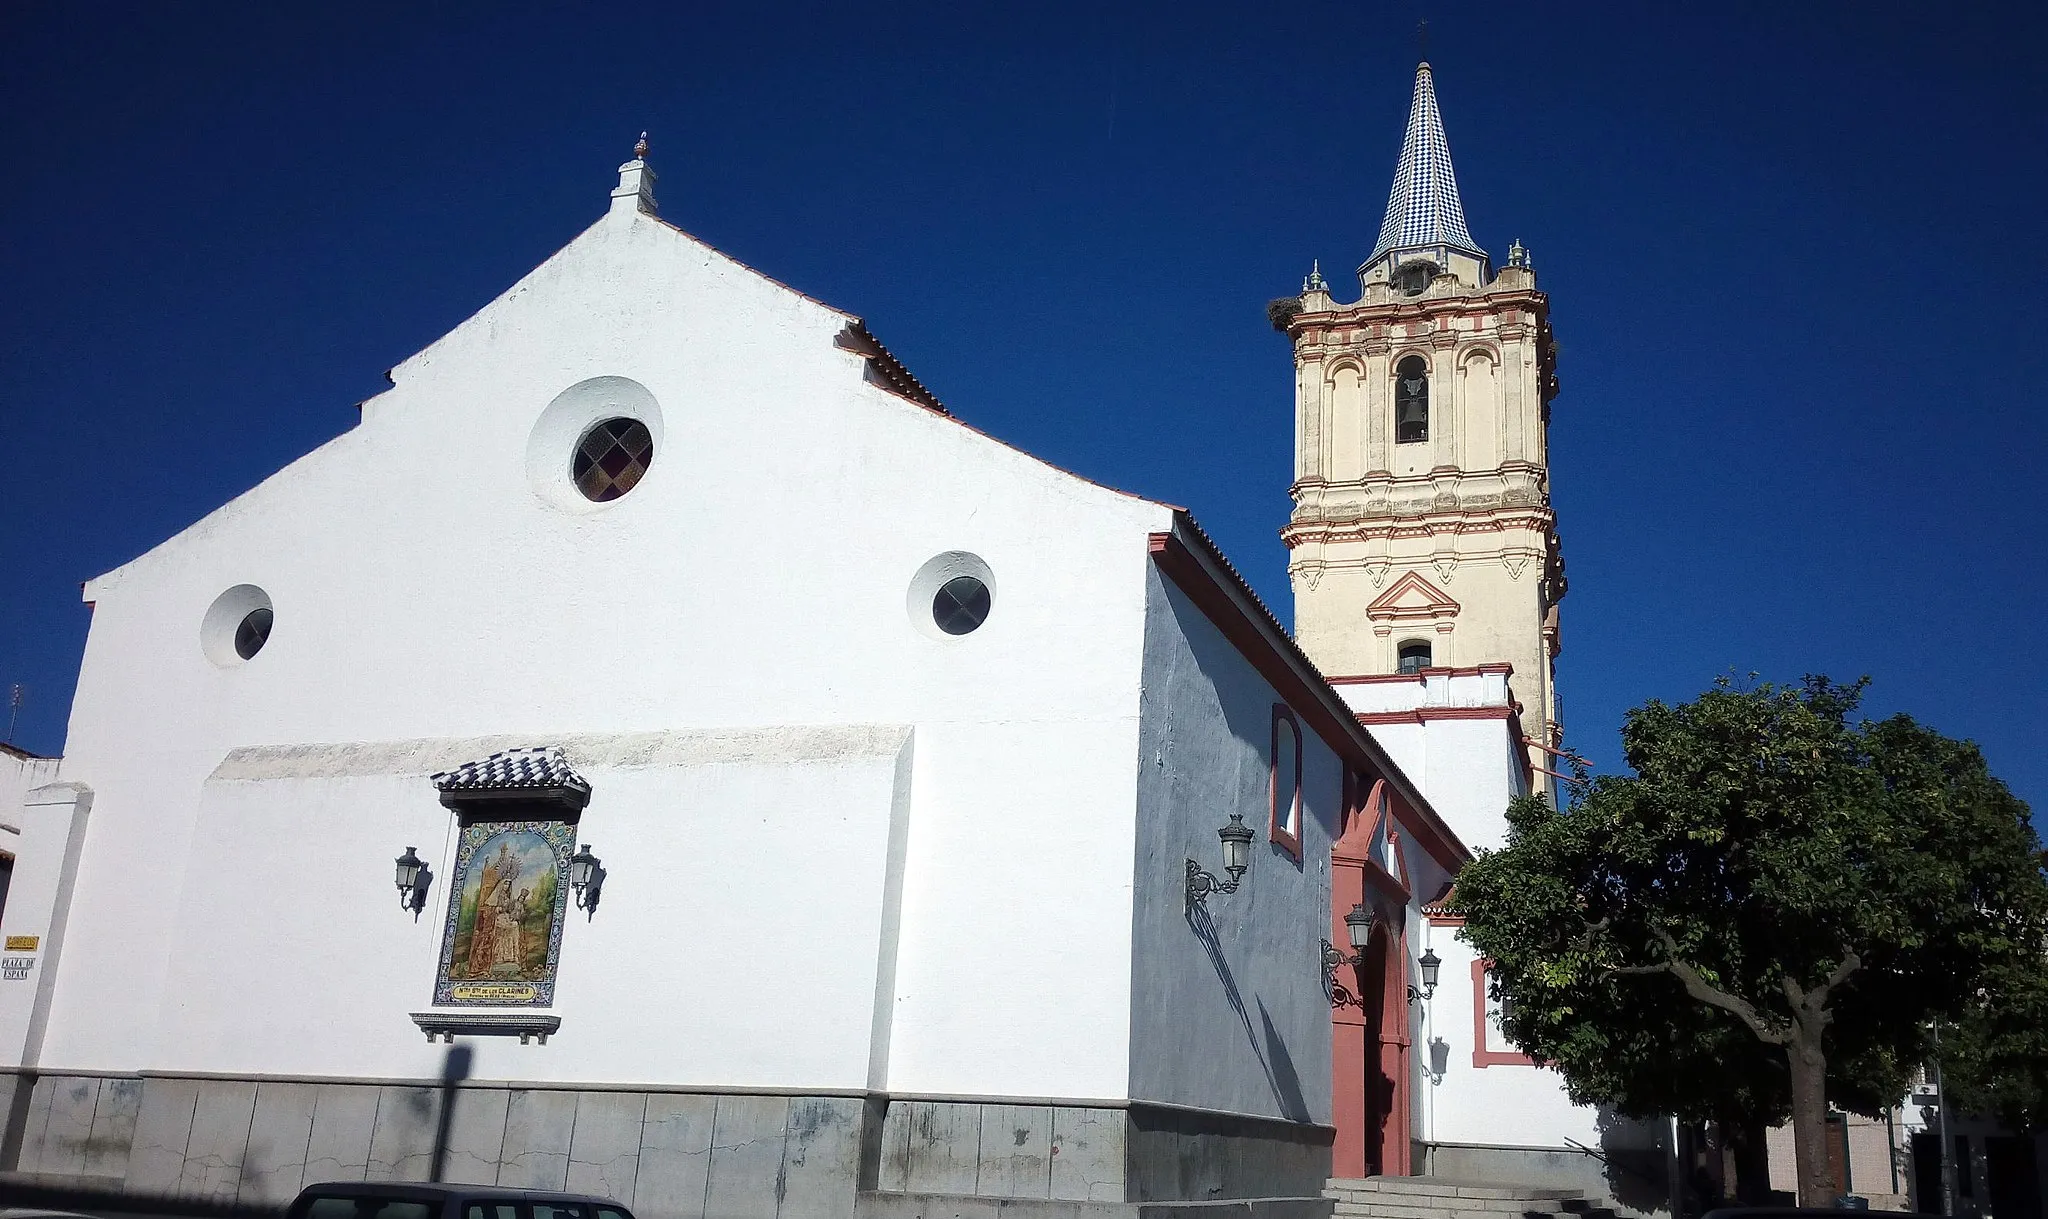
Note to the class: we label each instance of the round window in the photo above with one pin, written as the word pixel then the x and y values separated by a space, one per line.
pixel 960 605
pixel 611 459
pixel 236 625
pixel 951 595
pixel 253 632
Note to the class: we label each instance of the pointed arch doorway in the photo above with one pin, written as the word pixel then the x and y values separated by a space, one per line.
pixel 1371 1093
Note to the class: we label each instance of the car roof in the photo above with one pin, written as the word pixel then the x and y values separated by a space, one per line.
pixel 414 1189
pixel 1803 1212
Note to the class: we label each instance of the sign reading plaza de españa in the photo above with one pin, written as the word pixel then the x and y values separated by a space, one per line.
pixel 503 937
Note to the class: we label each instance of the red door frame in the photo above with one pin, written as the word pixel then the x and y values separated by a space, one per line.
pixel 1371 1040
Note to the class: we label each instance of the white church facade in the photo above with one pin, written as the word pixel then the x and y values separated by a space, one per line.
pixel 970 830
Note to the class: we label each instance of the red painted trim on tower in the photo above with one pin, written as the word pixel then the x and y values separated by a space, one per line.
pixel 1422 715
pixel 1374 679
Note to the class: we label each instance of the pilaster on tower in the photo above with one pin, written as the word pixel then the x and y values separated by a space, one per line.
pixel 1422 534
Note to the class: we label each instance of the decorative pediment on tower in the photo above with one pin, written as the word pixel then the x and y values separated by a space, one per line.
pixel 1412 599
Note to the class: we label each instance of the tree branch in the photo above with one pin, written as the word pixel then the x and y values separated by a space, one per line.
pixel 1815 1000
pixel 1706 992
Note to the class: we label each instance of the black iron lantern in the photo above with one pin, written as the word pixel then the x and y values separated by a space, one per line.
pixel 586 877
pixel 1430 964
pixel 1236 837
pixel 1358 925
pixel 412 890
pixel 1237 845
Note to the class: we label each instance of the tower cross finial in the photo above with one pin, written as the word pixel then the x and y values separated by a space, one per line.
pixel 640 149
pixel 1422 40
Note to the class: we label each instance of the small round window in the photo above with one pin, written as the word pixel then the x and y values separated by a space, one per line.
pixel 960 605
pixel 236 625
pixel 253 631
pixel 951 595
pixel 612 458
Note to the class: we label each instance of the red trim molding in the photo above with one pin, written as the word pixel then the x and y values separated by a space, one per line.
pixel 1369 679
pixel 1422 715
pixel 1481 1056
pixel 1235 611
pixel 1284 830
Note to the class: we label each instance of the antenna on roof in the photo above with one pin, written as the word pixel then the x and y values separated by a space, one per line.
pixel 17 694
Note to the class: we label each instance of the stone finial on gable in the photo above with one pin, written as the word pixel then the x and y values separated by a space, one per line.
pixel 636 182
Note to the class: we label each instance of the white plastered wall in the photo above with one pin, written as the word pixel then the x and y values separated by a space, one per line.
pixel 36 826
pixel 1502 1105
pixel 705 959
pixel 1469 767
pixel 757 577
pixel 1227 1008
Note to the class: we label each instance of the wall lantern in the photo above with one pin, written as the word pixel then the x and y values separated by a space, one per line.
pixel 1430 963
pixel 1237 856
pixel 586 877
pixel 413 879
pixel 1357 929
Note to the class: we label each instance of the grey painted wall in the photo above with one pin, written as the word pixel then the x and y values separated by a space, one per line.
pixel 1227 1003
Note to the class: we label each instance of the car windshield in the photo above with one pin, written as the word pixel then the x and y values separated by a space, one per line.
pixel 343 1206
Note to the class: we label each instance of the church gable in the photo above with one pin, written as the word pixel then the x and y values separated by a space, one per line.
pixel 633 317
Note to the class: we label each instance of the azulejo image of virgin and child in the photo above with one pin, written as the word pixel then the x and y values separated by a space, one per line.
pixel 505 923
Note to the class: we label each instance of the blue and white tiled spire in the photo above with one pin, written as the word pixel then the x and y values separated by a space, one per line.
pixel 1423 210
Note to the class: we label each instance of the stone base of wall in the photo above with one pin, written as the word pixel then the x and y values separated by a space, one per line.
pixel 1140 1153
pixel 666 1154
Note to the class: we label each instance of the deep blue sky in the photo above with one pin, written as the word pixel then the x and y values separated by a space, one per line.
pixel 1795 256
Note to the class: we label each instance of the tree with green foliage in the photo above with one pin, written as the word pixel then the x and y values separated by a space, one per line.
pixel 1994 1056
pixel 1767 915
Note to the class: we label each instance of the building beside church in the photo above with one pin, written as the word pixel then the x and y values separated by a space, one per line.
pixel 972 830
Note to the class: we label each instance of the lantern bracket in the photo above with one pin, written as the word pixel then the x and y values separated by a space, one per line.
pixel 1202 882
pixel 1340 994
pixel 1236 838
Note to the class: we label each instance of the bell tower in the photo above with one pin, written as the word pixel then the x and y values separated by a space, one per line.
pixel 1422 535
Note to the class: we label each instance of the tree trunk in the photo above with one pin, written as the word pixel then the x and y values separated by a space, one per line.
pixel 1809 1066
pixel 1748 1162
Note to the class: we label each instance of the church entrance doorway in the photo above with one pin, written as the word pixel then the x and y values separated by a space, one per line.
pixel 1371 1096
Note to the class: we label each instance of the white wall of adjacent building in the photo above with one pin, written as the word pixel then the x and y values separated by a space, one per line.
pixel 37 825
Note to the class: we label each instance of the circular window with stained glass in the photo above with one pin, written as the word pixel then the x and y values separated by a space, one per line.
pixel 960 605
pixel 612 458
pixel 253 631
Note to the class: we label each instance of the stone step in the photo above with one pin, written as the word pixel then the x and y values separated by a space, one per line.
pixel 1453 1202
pixel 1446 1187
pixel 1453 1208
pixel 1461 1202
